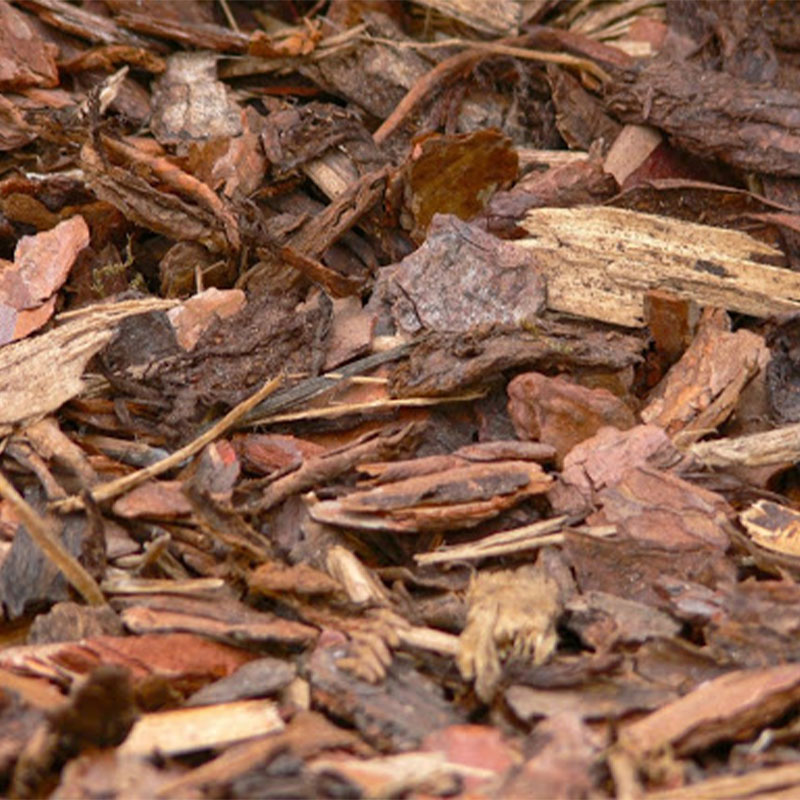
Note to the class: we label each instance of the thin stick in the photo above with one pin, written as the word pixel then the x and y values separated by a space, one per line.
pixel 371 405
pixel 529 537
pixel 476 51
pixel 42 533
pixel 498 48
pixel 228 15
pixel 420 90
pixel 105 491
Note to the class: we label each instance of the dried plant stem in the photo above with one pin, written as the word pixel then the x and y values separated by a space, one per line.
pixel 42 533
pixel 111 489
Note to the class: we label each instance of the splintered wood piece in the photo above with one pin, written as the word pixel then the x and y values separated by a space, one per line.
pixel 773 526
pixel 765 782
pixel 600 262
pixel 307 734
pixel 509 611
pixel 487 16
pixel 529 537
pixel 39 374
pixel 780 446
pixel 187 730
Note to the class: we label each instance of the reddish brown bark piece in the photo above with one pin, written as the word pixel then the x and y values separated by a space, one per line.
pixel 484 452
pixel 259 678
pixel 632 569
pixel 204 35
pixel 154 499
pixel 26 59
pixel 580 117
pixel 510 449
pixel 70 622
pixel 731 707
pixel 602 620
pixel 473 746
pixel 603 459
pixel 332 463
pixel 265 453
pixel 565 752
pixel 560 413
pixel 654 506
pixel 236 165
pixel 713 114
pixel 672 322
pixel 459 279
pixel 87 25
pixel 460 497
pixel 760 611
pixel 224 619
pixel 181 658
pixel 276 578
pixel 196 314
pixel 41 265
pixel 702 389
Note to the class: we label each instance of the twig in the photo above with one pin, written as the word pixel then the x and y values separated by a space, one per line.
pixel 311 387
pixel 229 16
pixel 529 537
pixel 420 90
pixel 106 491
pixel 329 412
pixel 476 51
pixel 41 532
